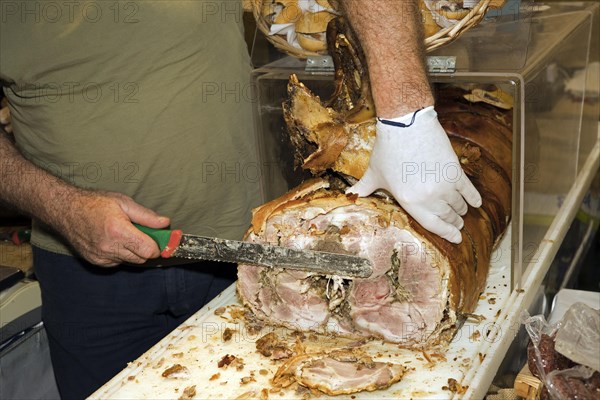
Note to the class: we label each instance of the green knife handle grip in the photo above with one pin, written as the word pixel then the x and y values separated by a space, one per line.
pixel 166 239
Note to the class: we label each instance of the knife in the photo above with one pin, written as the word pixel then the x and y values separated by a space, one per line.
pixel 173 243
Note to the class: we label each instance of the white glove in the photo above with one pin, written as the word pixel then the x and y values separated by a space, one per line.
pixel 417 165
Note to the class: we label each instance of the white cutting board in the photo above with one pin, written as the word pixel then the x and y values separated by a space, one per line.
pixel 197 344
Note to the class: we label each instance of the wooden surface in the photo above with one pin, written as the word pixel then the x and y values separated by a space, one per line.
pixel 12 255
pixel 527 385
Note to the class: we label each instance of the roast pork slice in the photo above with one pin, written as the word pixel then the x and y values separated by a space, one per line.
pixel 338 372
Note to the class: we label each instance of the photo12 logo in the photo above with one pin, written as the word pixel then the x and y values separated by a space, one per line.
pixel 71 92
pixel 68 11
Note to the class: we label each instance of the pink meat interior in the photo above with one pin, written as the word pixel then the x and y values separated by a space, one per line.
pixel 403 301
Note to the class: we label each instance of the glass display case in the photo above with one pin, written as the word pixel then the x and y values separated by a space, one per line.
pixel 539 57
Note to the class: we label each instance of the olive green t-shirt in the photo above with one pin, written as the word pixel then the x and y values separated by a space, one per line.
pixel 150 98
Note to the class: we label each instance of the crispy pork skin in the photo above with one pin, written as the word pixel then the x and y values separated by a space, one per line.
pixel 421 283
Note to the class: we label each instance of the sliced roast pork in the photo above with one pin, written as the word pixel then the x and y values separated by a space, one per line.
pixel 421 283
pixel 405 299
pixel 338 372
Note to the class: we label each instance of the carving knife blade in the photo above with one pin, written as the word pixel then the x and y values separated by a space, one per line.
pixel 173 243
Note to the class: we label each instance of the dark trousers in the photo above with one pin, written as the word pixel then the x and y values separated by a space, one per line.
pixel 99 319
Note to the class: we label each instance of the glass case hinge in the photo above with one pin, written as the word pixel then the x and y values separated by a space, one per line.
pixel 441 64
pixel 322 64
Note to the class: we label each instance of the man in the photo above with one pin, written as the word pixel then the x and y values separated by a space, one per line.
pixel 124 112
pixel 133 112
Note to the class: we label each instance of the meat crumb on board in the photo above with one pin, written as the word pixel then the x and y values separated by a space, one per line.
pixel 228 334
pixel 220 311
pixel 437 355
pixel 253 325
pixel 428 358
pixel 188 393
pixel 247 395
pixel 298 334
pixel 237 312
pixel 176 371
pixel 270 345
pixel 455 387
pixel 159 364
pixel 474 317
pixel 247 379
pixel 226 360
pixel 229 360
pixel 264 394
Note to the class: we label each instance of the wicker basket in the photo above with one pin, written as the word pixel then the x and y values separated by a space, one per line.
pixel 451 33
pixel 440 38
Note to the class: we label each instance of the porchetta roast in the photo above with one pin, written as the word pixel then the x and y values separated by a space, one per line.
pixel 421 284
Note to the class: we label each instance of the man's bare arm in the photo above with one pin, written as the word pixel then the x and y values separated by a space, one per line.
pixel 391 35
pixel 97 224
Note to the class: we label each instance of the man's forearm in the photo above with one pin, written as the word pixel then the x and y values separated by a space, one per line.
pixel 96 224
pixel 391 35
pixel 29 188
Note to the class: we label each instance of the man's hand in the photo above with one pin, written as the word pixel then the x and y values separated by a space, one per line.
pixel 99 226
pixel 418 166
pixel 5 121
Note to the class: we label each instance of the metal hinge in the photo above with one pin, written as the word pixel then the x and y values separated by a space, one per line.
pixel 441 64
pixel 435 64
pixel 323 64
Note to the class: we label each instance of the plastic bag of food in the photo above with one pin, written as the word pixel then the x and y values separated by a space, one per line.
pixel 578 337
pixel 563 377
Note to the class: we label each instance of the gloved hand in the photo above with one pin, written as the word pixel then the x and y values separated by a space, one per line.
pixel 414 161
